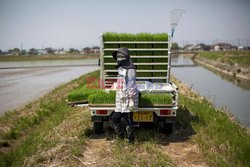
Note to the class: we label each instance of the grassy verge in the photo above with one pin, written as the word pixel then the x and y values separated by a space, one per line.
pixel 48 132
pixel 48 57
pixel 24 133
pixel 242 58
pixel 222 140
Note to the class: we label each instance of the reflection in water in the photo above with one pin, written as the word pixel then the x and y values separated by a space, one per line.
pixel 40 63
pixel 237 82
pixel 216 88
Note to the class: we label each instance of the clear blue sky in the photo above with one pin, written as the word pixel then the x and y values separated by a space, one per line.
pixel 78 23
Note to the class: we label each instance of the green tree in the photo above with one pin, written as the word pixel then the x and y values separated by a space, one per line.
pixel 175 46
pixel 72 50
pixel 33 51
pixel 50 50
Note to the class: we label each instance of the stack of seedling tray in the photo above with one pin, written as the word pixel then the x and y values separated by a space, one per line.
pixel 100 97
pixel 149 52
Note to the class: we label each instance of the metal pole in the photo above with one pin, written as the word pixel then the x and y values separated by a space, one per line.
pixel 101 61
pixel 170 39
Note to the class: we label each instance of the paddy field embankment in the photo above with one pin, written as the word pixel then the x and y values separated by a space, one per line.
pixel 49 132
pixel 232 63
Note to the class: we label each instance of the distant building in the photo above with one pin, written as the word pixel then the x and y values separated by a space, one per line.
pixel 202 47
pixel 96 49
pixel 41 51
pixel 60 51
pixel 240 48
pixel 222 46
pixel 189 47
pixel 87 50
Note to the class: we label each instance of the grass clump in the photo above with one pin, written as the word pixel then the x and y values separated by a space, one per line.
pixel 38 129
pixel 210 55
pixel 242 58
pixel 223 142
pixel 139 154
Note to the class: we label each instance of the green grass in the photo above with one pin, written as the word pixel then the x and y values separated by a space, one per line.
pixel 30 145
pixel 242 58
pixel 139 154
pixel 37 134
pixel 210 55
pixel 223 142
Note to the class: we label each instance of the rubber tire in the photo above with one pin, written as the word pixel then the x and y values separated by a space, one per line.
pixel 169 128
pixel 98 127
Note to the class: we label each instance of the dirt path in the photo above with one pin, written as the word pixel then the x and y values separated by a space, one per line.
pixel 181 150
pixel 97 153
pixel 184 154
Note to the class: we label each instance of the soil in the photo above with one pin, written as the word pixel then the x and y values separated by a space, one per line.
pixel 242 73
pixel 97 153
pixel 184 154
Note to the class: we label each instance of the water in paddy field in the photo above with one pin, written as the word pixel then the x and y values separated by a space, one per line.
pixel 42 63
pixel 221 91
pixel 18 86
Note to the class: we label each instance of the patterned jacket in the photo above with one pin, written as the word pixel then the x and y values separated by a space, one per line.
pixel 126 91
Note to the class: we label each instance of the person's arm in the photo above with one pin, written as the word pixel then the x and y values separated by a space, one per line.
pixel 131 83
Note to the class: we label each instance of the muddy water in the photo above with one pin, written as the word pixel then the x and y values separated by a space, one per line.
pixel 42 63
pixel 222 92
pixel 19 86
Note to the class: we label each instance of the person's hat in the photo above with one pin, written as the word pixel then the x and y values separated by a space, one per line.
pixel 124 51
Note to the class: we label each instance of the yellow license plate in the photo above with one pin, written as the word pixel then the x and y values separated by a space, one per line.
pixel 143 116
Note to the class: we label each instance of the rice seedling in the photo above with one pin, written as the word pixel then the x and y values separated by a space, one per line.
pixel 109 60
pixel 107 37
pixel 81 93
pixel 102 97
pixel 112 74
pixel 144 67
pixel 160 37
pixel 126 37
pixel 109 67
pixel 139 37
pixel 146 99
pixel 152 99
pixel 99 96
pixel 160 74
pixel 110 36
pixel 144 37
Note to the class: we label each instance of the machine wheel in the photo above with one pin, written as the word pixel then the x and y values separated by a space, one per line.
pixel 98 127
pixel 169 128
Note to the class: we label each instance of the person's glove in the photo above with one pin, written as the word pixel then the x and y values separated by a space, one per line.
pixel 131 105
